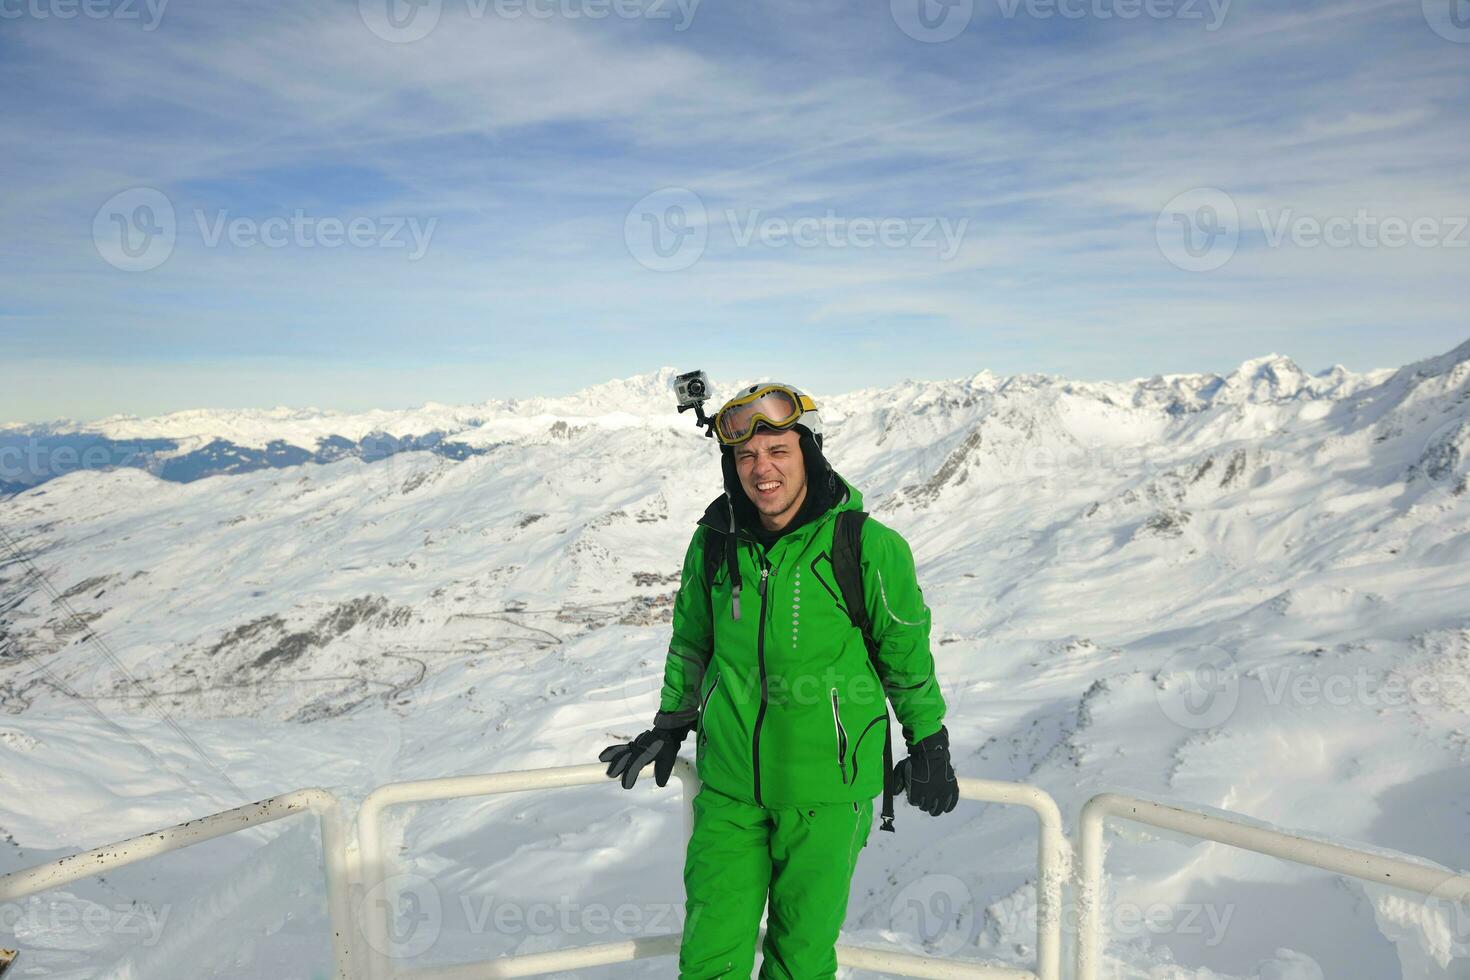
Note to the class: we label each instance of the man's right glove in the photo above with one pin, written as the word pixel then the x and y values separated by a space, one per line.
pixel 927 776
pixel 657 745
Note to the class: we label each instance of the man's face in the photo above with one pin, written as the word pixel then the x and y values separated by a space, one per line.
pixel 772 460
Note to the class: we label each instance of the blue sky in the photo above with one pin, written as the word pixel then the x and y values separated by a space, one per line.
pixel 506 176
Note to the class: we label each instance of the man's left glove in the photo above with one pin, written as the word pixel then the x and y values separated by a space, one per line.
pixel 657 745
pixel 927 776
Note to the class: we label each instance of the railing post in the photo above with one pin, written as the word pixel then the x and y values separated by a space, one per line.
pixel 323 804
pixel 339 884
pixel 1052 862
pixel 372 858
pixel 1090 886
pixel 1295 848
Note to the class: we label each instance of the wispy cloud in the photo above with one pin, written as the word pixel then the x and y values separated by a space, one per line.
pixel 520 146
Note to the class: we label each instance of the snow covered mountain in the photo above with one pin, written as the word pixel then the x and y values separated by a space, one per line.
pixel 494 594
pixel 191 445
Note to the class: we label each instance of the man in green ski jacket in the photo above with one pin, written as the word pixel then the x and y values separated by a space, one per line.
pixel 789 708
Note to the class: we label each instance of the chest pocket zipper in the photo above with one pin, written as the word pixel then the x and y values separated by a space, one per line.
pixel 703 731
pixel 841 738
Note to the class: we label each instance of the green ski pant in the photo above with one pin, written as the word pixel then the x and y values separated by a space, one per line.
pixel 739 854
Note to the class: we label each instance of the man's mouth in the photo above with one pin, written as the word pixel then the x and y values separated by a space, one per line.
pixel 768 488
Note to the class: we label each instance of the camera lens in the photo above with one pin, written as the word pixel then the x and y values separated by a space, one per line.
pixel 696 388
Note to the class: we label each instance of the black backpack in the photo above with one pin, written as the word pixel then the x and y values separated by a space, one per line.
pixel 847 565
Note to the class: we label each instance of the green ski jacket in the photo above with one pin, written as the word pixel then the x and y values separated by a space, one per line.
pixel 785 700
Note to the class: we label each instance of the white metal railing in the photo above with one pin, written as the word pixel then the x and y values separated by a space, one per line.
pixel 1350 861
pixel 1053 867
pixel 63 871
pixel 355 873
pixel 1051 871
pixel 376 959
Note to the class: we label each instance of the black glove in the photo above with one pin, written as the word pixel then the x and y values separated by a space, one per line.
pixel 927 776
pixel 657 745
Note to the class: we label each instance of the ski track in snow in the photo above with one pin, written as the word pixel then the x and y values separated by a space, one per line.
pixel 1084 547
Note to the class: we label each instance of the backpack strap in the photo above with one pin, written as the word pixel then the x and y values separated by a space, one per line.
pixel 714 553
pixel 847 565
pixel 720 546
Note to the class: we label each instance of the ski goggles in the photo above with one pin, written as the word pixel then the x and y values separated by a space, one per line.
pixel 774 405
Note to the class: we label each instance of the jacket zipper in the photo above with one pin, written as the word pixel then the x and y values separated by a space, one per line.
pixel 841 738
pixel 760 656
pixel 704 708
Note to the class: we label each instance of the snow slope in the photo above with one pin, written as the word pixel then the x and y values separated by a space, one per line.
pixel 1249 592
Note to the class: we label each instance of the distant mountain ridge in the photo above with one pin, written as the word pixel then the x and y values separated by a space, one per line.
pixel 1265 379
pixel 193 444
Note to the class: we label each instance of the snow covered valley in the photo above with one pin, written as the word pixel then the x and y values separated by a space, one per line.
pixel 1093 554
